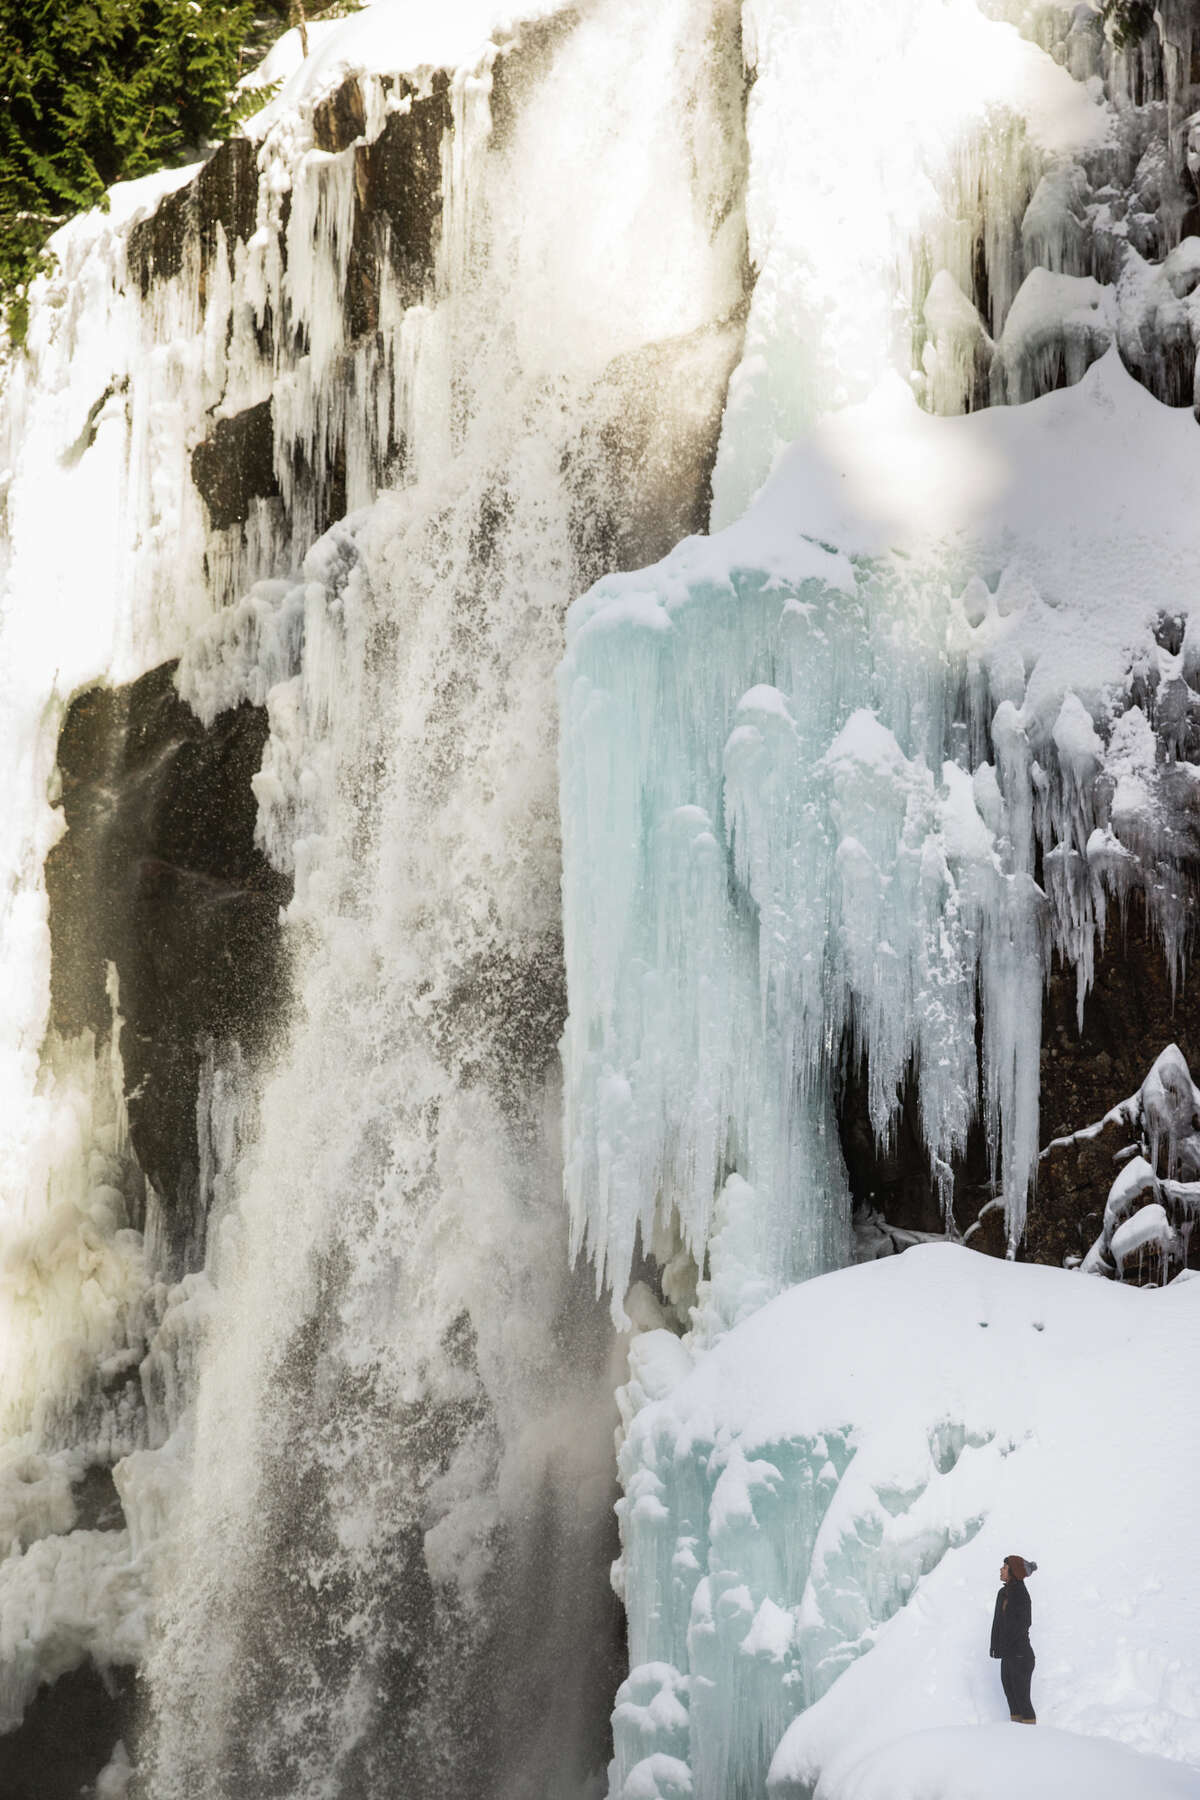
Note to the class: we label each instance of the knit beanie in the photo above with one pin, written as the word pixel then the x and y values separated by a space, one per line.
pixel 1019 1568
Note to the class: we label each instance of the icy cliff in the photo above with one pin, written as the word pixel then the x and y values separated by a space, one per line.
pixel 912 725
pixel 842 787
pixel 306 1412
pixel 876 703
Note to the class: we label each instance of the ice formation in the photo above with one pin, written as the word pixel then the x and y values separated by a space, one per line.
pixel 809 1564
pixel 876 780
pixel 862 758
pixel 923 124
pixel 841 781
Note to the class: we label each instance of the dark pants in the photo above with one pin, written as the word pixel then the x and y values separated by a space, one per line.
pixel 1016 1673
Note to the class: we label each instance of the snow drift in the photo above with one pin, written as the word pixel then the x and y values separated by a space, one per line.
pixel 816 1510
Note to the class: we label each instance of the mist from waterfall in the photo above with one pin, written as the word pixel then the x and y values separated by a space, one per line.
pixel 391 1564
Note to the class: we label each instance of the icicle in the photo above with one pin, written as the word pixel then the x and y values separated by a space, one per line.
pixel 865 885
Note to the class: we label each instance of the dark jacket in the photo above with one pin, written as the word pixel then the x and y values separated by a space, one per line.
pixel 1010 1622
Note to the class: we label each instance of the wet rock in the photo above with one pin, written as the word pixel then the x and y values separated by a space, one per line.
pixel 236 465
pixel 398 195
pixel 68 1735
pixel 523 61
pixel 222 199
pixel 892 1178
pixel 97 1503
pixel 340 117
pixel 642 470
pixel 158 874
pixel 503 1016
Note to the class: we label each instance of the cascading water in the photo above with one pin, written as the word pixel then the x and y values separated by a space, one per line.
pixel 386 1561
pixel 365 1477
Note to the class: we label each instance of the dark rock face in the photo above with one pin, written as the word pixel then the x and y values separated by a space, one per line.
pixel 237 465
pixel 398 189
pixel 894 1177
pixel 397 214
pixel 1129 1017
pixel 97 1502
pixel 158 873
pixel 340 118
pixel 68 1735
pixel 642 470
pixel 398 205
pixel 224 194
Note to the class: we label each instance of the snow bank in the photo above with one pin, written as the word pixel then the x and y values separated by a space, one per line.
pixel 816 1511
pixel 387 37
pixel 993 1762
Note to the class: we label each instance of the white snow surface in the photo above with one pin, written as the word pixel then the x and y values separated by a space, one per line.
pixel 1102 460
pixel 386 37
pixel 994 1762
pixel 902 98
pixel 817 1508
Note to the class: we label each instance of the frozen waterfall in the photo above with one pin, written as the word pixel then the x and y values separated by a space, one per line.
pixel 839 784
pixel 834 776
pixel 319 991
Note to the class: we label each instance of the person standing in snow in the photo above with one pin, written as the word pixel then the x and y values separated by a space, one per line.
pixel 1010 1638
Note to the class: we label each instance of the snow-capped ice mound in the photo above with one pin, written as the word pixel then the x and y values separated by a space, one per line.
pixel 993 1762
pixel 64 1600
pixel 816 1510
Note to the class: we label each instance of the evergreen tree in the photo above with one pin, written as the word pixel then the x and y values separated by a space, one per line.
pixel 97 91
